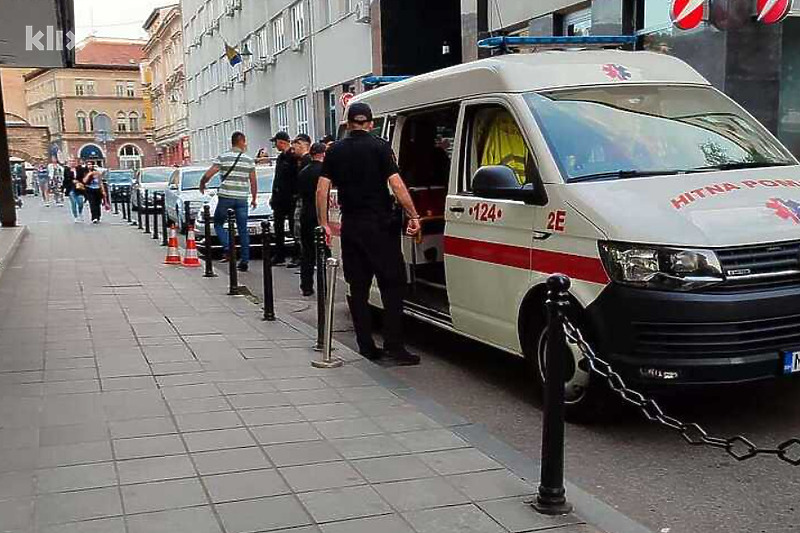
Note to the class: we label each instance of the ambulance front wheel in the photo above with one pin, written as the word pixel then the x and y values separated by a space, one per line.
pixel 583 397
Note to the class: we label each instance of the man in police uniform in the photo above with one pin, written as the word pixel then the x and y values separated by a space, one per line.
pixel 360 166
pixel 284 189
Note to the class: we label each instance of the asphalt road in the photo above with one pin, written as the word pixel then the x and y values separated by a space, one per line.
pixel 646 472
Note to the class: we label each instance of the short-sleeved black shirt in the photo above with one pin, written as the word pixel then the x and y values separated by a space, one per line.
pixel 359 166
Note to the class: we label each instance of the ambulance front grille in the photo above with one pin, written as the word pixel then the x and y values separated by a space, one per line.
pixel 760 267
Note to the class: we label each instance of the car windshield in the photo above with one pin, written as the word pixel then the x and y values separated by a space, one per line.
pixel 120 176
pixel 191 180
pixel 265 179
pixel 625 131
pixel 155 175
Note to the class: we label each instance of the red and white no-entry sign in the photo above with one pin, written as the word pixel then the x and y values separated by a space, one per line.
pixel 773 11
pixel 687 14
pixel 345 99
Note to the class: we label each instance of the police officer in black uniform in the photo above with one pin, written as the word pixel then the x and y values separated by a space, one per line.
pixel 284 189
pixel 360 166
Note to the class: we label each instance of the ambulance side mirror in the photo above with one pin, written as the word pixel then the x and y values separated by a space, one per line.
pixel 500 182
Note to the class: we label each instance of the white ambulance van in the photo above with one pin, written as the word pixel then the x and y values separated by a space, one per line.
pixel 674 212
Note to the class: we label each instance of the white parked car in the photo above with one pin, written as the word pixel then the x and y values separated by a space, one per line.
pixel 151 179
pixel 184 186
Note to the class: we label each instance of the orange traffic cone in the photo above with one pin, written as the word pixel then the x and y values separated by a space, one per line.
pixel 190 259
pixel 173 254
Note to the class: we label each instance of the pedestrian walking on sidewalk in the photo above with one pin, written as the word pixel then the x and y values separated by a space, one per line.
pixel 95 193
pixel 238 181
pixel 283 194
pixel 307 182
pixel 74 189
pixel 360 166
pixel 43 180
pixel 55 174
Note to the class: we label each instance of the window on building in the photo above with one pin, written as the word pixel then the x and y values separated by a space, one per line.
pixel 330 113
pixel 92 117
pixel 80 89
pixel 133 119
pixel 201 18
pixel 578 23
pixel 238 125
pixel 298 21
pixel 130 90
pixel 301 114
pixel 262 42
pixel 122 122
pixel 120 92
pixel 278 34
pixel 654 24
pixel 130 157
pixel 326 12
pixel 80 116
pixel 282 117
pixel 345 6
pixel 210 13
pixel 215 74
pixel 89 87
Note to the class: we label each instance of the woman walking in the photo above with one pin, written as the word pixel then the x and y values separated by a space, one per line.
pixel 75 189
pixel 95 193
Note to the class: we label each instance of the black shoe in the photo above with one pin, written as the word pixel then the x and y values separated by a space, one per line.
pixel 278 261
pixel 293 263
pixel 308 293
pixel 372 354
pixel 243 267
pixel 403 357
pixel 225 259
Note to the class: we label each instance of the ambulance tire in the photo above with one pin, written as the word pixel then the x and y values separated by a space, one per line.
pixel 586 400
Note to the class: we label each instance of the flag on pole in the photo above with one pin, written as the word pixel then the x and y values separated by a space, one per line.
pixel 233 55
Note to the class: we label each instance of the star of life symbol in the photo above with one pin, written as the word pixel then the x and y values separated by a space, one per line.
pixel 616 72
pixel 786 209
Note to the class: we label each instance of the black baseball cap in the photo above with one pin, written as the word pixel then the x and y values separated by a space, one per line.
pixel 359 112
pixel 303 137
pixel 327 139
pixel 281 136
pixel 318 148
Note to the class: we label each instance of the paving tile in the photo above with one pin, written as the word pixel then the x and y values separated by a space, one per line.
pixel 194 520
pixel 344 504
pixel 72 434
pixel 296 384
pixel 15 515
pixel 284 433
pixel 74 454
pixel 321 476
pixel 71 387
pixel 102 525
pixel 16 485
pixel 271 415
pixel 462 518
pixel 302 453
pixel 128 383
pixel 266 514
pixel 313 397
pixel 162 495
pixel 260 399
pixel 155 469
pixel 357 394
pixel 516 516
pixel 459 461
pixel 405 422
pixel 341 429
pixel 383 524
pixel 208 421
pixel 222 439
pixel 246 485
pixel 199 405
pixel 336 411
pixel 139 447
pixel 245 387
pixel 490 485
pixel 19 438
pixel 393 468
pixel 221 461
pixel 75 506
pixel 68 478
pixel 370 446
pixel 182 392
pixel 430 440
pixel 420 494
pixel 142 427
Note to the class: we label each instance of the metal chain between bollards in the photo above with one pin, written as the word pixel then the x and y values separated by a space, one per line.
pixel 738 447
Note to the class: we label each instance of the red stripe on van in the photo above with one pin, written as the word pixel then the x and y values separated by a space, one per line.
pixel 575 266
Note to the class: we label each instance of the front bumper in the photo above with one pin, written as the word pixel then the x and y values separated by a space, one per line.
pixel 669 338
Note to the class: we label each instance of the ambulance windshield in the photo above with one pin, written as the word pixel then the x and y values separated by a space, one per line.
pixel 626 131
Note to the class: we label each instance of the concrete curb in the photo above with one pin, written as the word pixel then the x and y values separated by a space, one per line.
pixel 7 254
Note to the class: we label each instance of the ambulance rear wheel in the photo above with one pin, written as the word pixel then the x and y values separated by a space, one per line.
pixel 584 398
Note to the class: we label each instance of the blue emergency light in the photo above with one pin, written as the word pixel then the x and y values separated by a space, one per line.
pixel 504 43
pixel 383 80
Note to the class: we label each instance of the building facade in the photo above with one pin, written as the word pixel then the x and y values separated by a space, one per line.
pixel 165 86
pixel 27 142
pixel 74 103
pixel 758 65
pixel 298 58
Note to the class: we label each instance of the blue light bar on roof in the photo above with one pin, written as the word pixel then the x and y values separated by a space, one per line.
pixel 383 80
pixel 589 40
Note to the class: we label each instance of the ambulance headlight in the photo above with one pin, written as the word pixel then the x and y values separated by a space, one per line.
pixel 660 268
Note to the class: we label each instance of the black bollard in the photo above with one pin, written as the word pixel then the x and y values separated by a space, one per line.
pixel 321 249
pixel 266 251
pixel 164 236
pixel 154 211
pixel 115 197
pixel 187 214
pixel 207 241
pixel 551 498
pixel 139 211
pixel 125 202
pixel 130 209
pixel 146 213
pixel 233 274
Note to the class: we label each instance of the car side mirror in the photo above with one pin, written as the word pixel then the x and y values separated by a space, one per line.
pixel 173 187
pixel 500 182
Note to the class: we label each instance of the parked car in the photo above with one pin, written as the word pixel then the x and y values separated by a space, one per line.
pixel 184 186
pixel 151 179
pixel 118 183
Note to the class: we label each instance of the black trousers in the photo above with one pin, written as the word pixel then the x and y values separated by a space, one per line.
pixel 280 215
pixel 371 249
pixel 308 254
pixel 95 199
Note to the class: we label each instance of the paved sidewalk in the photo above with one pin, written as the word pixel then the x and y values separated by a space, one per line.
pixel 138 398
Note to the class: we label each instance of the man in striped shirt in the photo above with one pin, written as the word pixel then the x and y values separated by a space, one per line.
pixel 237 172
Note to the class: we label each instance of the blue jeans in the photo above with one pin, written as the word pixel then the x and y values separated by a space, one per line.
pixel 221 218
pixel 76 203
